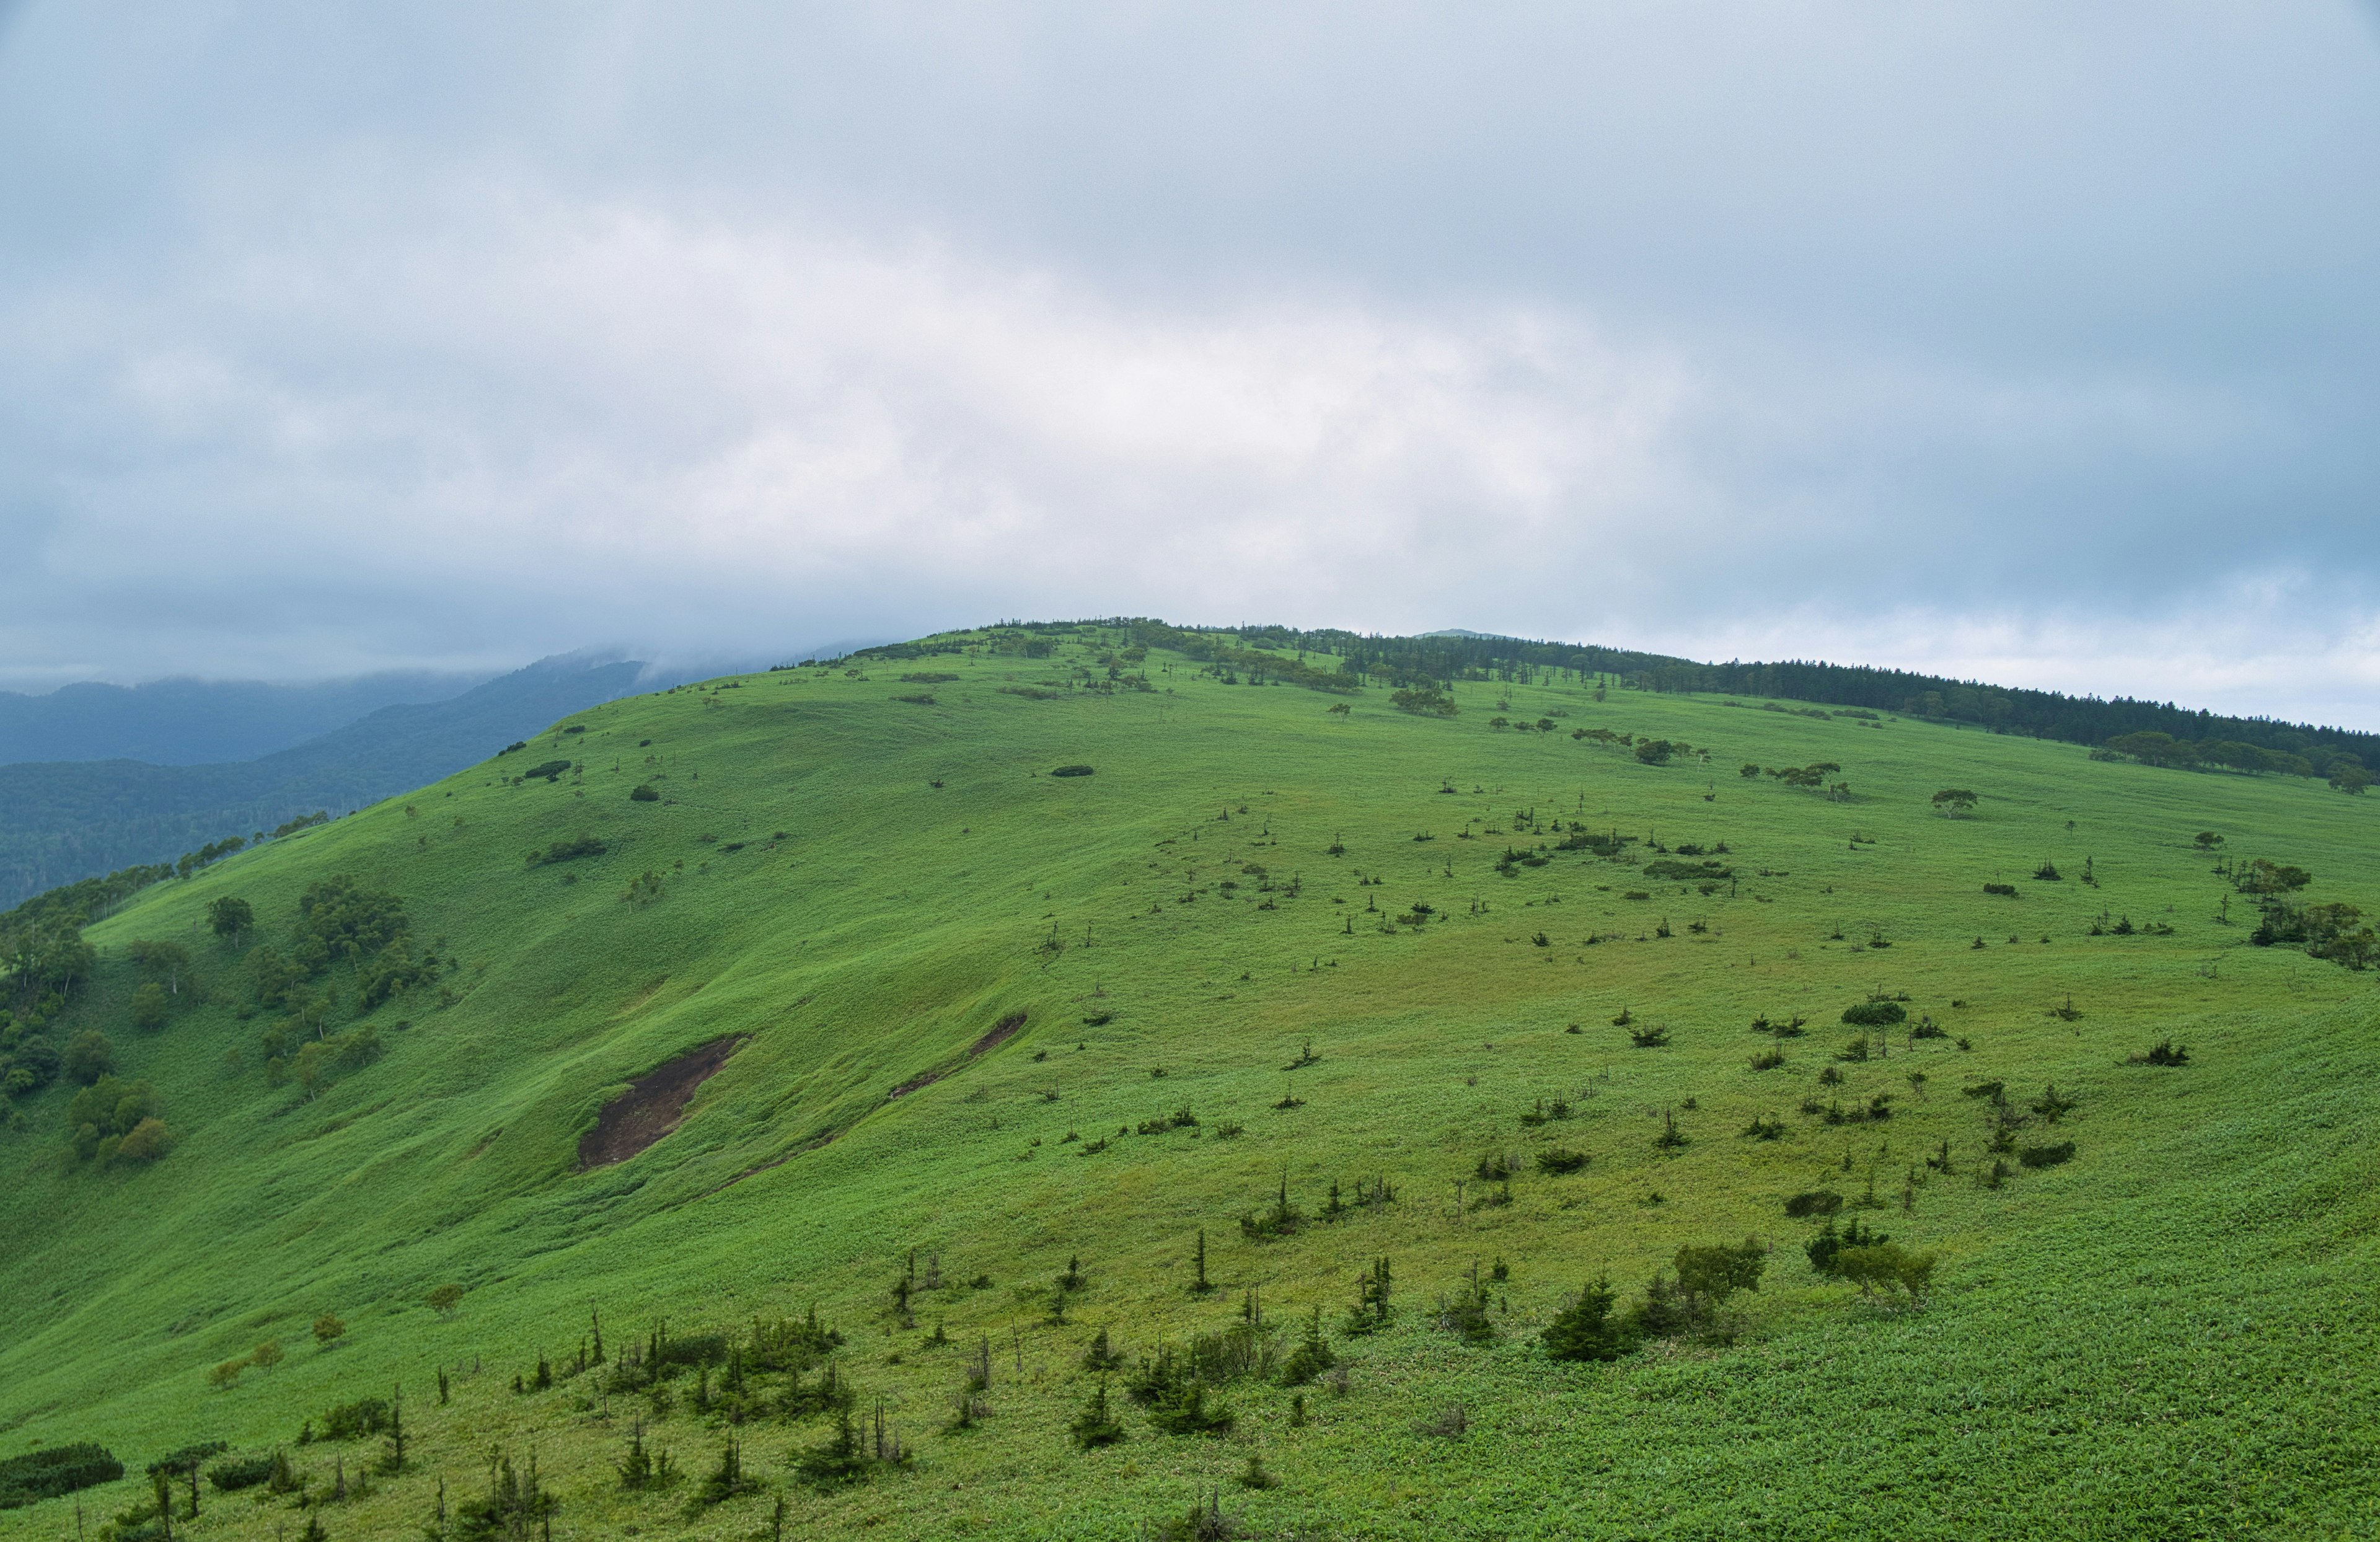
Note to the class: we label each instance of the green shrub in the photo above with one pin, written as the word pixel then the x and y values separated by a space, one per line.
pixel 646 792
pixel 1813 1202
pixel 1828 1244
pixel 1072 770
pixel 1557 1162
pixel 567 851
pixel 1875 1014
pixel 2046 1155
pixel 236 1473
pixel 1887 1266
pixel 353 1421
pixel 45 1474
pixel 1586 1328
pixel 1097 1426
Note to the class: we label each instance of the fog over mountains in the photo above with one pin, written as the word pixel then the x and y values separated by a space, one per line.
pixel 171 775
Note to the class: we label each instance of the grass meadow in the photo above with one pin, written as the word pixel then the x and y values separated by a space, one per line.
pixel 861 877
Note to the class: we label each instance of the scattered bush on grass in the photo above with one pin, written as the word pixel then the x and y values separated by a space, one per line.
pixel 47 1474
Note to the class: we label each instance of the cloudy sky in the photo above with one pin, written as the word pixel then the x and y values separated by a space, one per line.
pixel 2033 342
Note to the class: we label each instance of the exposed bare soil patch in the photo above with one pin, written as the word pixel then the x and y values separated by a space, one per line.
pixel 1002 1032
pixel 652 1106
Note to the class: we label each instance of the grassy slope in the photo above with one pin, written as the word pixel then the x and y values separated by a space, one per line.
pixel 2168 1332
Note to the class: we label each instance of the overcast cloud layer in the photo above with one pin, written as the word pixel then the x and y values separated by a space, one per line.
pixel 2033 342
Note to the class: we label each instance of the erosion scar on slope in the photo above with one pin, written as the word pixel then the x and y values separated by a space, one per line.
pixel 652 1105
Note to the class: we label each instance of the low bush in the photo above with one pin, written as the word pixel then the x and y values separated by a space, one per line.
pixel 2006 890
pixel 567 851
pixel 1072 770
pixel 1887 1266
pixel 645 794
pixel 45 1474
pixel 1586 1328
pixel 1813 1202
pixel 236 1473
pixel 353 1421
pixel 1828 1244
pixel 1875 1014
pixel 1558 1161
pixel 2046 1155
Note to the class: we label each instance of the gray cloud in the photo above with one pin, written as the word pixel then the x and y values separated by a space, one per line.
pixel 2007 340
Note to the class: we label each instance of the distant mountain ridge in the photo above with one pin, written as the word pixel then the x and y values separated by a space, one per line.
pixel 189 722
pixel 63 820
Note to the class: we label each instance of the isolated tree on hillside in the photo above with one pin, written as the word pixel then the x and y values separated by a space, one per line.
pixel 1954 802
pixel 228 917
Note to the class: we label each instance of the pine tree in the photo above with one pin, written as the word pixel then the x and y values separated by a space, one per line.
pixel 1585 1330
pixel 1095 1425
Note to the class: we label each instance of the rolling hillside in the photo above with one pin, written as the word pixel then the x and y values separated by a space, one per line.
pixel 1021 977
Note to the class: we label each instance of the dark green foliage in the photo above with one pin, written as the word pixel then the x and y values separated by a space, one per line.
pixel 2264 876
pixel 2006 890
pixel 1072 770
pixel 1312 1356
pixel 1816 1202
pixel 2051 1105
pixel 109 1113
pixel 1874 1013
pixel 1097 1425
pixel 236 1473
pixel 1278 1220
pixel 1767 1059
pixel 1187 1412
pixel 1652 1037
pixel 514 1507
pixel 567 851
pixel 550 769
pixel 353 1421
pixel 1464 1312
pixel 838 1461
pixel 644 792
pixel 1557 1162
pixel 45 1474
pixel 1586 1328
pixel 1822 1249
pixel 2165 1051
pixel 1688 872
pixel 727 1480
pixel 1101 1355
pixel 1371 1311
pixel 89 1057
pixel 1422 701
pixel 2046 1155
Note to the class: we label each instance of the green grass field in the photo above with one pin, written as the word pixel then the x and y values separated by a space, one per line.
pixel 2170 1335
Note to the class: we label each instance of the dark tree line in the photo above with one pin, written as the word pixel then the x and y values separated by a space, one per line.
pixel 2082 720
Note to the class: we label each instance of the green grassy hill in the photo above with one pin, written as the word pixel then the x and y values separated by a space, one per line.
pixel 865 876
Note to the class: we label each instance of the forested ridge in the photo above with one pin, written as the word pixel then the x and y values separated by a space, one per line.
pixel 2082 720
